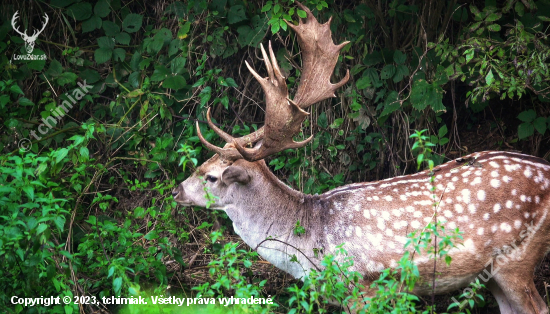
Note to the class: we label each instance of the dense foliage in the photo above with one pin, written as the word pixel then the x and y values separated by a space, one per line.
pixel 94 138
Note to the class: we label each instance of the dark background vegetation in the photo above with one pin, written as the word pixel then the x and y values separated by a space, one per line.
pixel 87 210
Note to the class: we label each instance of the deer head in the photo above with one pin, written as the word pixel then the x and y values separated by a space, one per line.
pixel 29 40
pixel 500 200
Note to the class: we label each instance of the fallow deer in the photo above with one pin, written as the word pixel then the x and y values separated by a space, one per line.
pixel 500 200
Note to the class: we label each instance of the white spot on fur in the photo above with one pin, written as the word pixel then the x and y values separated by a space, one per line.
pixel 417 214
pixel 458 208
pixel 358 231
pixel 448 213
pixel 495 183
pixel 496 208
pixel 506 179
pixel 381 224
pixel 403 197
pixel 486 216
pixel 494 228
pixel 494 173
pixel 514 192
pixel 373 212
pixel 472 208
pixel 389 232
pixel 451 225
pixel 517 224
pixel 454 179
pixel 480 231
pixel 386 215
pixel 481 195
pixel 476 181
pixel 415 224
pixel 505 227
pixel 366 213
pixel 376 198
pixel 466 196
pixel 509 204
pixel 466 173
pixel 526 215
pixel 389 198
pixel 494 164
pixel 528 173
pixel 537 199
pixel 397 212
pixel 409 209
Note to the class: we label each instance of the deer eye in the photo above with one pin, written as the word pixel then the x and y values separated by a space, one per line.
pixel 211 178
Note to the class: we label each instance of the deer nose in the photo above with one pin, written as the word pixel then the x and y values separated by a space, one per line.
pixel 175 193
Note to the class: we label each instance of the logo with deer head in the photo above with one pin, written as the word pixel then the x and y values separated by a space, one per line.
pixel 29 40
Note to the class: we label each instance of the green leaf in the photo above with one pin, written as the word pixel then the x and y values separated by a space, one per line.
pixel 267 7
pixel 103 55
pixel 494 28
pixel 540 125
pixel 301 13
pixel 80 11
pixel 15 89
pixel 106 42
pixel 174 82
pixel 399 57
pixel 66 77
pixel 60 154
pixel 119 54
pixel 322 120
pixel 493 17
pixel 520 8
pixel 236 14
pixel 153 234
pixel 424 94
pixel 442 131
pixel 387 72
pixel 489 78
pixel 123 38
pixel 363 82
pixel 391 104
pixel 135 93
pixel 117 283
pixel 525 130
pixel 91 76
pixel 102 8
pixel 29 190
pixel 178 65
pixel 132 23
pixel 111 29
pixel 24 101
pixel 160 73
pixel 231 82
pixel 528 115
pixel 400 72
pixel 91 24
pixel 205 95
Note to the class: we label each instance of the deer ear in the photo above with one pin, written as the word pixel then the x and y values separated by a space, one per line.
pixel 234 174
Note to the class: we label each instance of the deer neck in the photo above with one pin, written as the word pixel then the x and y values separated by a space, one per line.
pixel 266 218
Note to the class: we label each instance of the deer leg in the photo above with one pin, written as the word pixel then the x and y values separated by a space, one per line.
pixel 500 297
pixel 520 292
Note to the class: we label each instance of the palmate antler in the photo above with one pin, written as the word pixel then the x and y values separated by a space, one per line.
pixel 284 117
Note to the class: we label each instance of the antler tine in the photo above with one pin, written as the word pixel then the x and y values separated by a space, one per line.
pixel 14 22
pixel 225 153
pixel 226 137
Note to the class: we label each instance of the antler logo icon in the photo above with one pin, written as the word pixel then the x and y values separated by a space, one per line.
pixel 29 40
